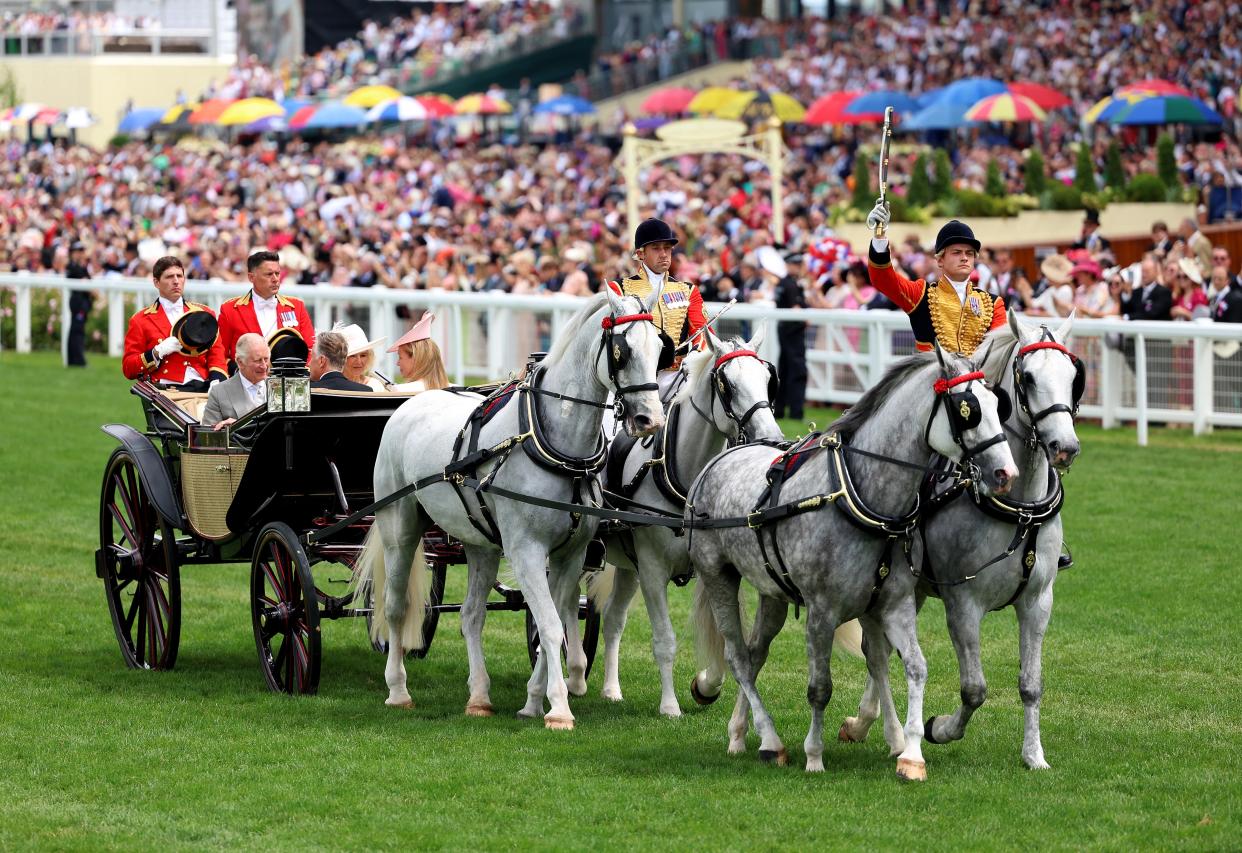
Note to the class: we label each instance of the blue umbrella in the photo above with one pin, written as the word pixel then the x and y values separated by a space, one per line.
pixel 1168 109
pixel 875 102
pixel 138 120
pixel 942 115
pixel 336 114
pixel 567 105
pixel 292 105
pixel 968 92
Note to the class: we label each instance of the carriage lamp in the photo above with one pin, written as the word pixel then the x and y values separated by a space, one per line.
pixel 288 386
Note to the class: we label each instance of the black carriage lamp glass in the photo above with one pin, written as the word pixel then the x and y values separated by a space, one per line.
pixel 288 386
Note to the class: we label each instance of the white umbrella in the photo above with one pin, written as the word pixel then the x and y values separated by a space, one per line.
pixel 79 117
pixel 398 109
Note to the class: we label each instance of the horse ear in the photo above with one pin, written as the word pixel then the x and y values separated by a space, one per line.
pixel 756 339
pixel 714 342
pixel 1063 330
pixel 1015 325
pixel 940 356
pixel 614 301
pixel 654 298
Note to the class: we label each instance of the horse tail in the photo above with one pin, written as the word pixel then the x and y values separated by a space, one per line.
pixel 370 574
pixel 848 638
pixel 600 585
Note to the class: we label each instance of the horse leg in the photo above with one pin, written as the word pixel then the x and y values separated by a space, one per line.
pixel 877 695
pixel 963 621
pixel 530 564
pixel 1032 623
pixel 566 591
pixel 625 582
pixel 483 563
pixel 901 628
pixel 653 577
pixel 402 538
pixel 769 619
pixel 820 628
pixel 723 591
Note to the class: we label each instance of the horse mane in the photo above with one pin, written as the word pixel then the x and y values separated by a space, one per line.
pixel 875 397
pixel 697 365
pixel 999 344
pixel 563 341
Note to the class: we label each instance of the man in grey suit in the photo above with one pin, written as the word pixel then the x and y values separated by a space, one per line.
pixel 244 390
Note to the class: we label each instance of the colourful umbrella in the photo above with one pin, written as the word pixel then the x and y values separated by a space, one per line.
pixel 942 115
pixel 1045 96
pixel 875 102
pixel 179 114
pixel 209 112
pixel 1105 108
pixel 26 112
pixel 567 105
pixel 437 106
pixel 1006 107
pixel 970 90
pixel 399 109
pixel 301 116
pixel 139 120
pixel 830 109
pixel 1154 85
pixel 674 100
pixel 753 106
pixel 1168 109
pixel 47 115
pixel 77 118
pixel 711 99
pixel 266 125
pixel 369 96
pixel 330 114
pixel 481 105
pixel 249 110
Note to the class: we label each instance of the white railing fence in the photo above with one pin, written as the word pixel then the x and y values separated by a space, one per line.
pixel 1142 372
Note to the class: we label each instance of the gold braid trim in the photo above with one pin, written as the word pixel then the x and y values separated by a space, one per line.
pixel 958 328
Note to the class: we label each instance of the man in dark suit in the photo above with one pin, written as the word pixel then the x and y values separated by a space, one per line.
pixel 80 302
pixel 327 363
pixel 1149 300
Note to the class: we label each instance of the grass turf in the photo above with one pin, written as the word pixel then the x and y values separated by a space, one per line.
pixel 1140 716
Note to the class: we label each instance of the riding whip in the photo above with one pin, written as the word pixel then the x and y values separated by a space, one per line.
pixel 887 134
pixel 705 326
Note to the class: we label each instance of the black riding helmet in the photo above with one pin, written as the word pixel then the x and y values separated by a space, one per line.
pixel 653 231
pixel 955 231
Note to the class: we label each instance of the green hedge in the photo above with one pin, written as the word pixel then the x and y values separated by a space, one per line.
pixel 45 313
pixel 1146 187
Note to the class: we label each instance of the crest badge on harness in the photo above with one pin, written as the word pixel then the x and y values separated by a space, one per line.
pixel 964 410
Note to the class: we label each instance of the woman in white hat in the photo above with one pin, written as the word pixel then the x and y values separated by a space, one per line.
pixel 419 359
pixel 361 361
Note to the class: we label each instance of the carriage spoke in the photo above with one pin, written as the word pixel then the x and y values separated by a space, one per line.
pixel 301 658
pixel 153 627
pixel 135 603
pixel 123 523
pixel 278 659
pixel 141 629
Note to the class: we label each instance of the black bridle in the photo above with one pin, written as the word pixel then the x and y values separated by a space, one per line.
pixel 964 412
pixel 616 348
pixel 724 391
pixel 1047 343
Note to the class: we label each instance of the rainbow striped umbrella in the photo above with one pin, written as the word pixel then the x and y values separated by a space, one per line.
pixel 437 106
pixel 1153 85
pixel 1047 97
pixel 1168 109
pixel 369 96
pixel 209 111
pixel 481 105
pixel 1105 108
pixel 1006 107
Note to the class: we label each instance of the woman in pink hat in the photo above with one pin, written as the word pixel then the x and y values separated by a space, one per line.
pixel 1091 294
pixel 419 359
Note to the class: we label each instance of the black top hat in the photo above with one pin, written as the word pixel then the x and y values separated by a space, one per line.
pixel 955 231
pixel 197 331
pixel 288 343
pixel 653 231
pixel 1092 216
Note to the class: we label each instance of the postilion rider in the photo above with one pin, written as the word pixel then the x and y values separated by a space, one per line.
pixel 679 313
pixel 173 342
pixel 949 310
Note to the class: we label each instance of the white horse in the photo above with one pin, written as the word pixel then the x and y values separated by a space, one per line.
pixel 545 441
pixel 726 396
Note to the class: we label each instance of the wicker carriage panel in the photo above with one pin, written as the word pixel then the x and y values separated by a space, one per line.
pixel 208 483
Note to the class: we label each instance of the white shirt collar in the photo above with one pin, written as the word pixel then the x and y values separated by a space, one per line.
pixel 655 279
pixel 962 288
pixel 169 307
pixel 251 386
pixel 265 303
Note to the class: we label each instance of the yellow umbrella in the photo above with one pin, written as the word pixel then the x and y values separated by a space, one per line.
pixel 369 96
pixel 475 105
pixel 1112 104
pixel 757 105
pixel 249 110
pixel 711 99
pixel 179 112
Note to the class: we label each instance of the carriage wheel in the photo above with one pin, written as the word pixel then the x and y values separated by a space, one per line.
pixel 590 633
pixel 435 596
pixel 137 560
pixel 284 610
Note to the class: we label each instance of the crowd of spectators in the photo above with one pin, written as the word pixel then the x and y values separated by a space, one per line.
pixel 38 22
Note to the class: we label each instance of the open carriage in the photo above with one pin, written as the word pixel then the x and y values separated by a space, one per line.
pixel 289 493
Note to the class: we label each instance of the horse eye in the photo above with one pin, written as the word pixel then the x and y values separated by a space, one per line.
pixel 1029 380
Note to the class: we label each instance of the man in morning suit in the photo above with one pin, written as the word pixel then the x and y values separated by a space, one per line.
pixel 244 390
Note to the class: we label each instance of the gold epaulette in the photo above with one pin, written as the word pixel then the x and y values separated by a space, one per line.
pixel 153 308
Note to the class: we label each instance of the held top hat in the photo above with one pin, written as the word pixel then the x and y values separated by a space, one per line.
pixel 197 331
pixel 288 343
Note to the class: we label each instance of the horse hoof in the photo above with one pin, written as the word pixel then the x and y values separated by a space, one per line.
pixel 526 715
pixel 909 770
pixel 558 724
pixel 737 747
pixel 780 756
pixel 479 710
pixel 815 765
pixel 611 695
pixel 576 689
pixel 848 732
pixel 698 697
pixel 405 704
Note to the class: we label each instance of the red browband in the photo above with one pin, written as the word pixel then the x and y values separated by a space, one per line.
pixel 735 354
pixel 1048 345
pixel 943 384
pixel 610 322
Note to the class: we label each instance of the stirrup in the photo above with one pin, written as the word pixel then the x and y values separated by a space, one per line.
pixel 1065 560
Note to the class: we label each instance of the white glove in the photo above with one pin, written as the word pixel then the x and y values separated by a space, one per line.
pixel 166 347
pixel 879 215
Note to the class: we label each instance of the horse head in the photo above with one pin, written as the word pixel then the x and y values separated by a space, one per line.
pixel 741 388
pixel 630 353
pixel 1048 383
pixel 965 424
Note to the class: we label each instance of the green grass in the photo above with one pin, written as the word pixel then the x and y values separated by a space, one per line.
pixel 1141 720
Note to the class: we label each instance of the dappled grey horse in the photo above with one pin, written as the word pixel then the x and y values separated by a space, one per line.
pixel 989 553
pixel 554 417
pixel 725 396
pixel 869 466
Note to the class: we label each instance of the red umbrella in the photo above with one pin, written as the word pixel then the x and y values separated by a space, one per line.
pixel 437 106
pixel 830 109
pixel 209 111
pixel 672 100
pixel 1044 97
pixel 301 116
pixel 1155 86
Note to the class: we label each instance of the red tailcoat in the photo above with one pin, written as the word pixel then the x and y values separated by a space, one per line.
pixel 150 326
pixel 237 318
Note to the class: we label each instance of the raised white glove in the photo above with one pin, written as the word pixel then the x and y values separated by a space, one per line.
pixel 878 215
pixel 166 347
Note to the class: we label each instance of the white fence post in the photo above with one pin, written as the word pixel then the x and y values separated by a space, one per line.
pixel 1110 378
pixel 116 323
pixel 1203 384
pixel 21 316
pixel 1140 386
